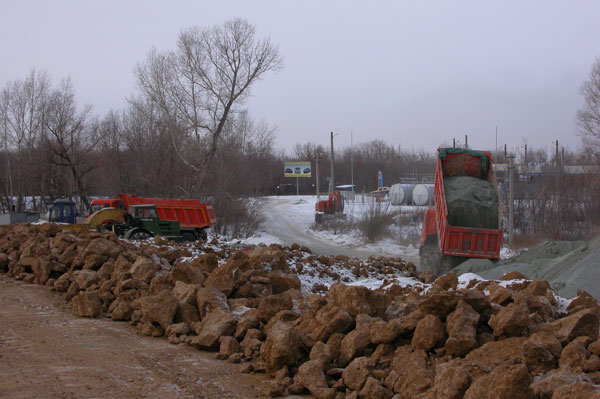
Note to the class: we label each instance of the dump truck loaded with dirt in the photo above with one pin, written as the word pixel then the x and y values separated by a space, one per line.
pixel 465 222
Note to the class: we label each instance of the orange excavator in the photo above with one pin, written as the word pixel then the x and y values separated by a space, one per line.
pixel 334 205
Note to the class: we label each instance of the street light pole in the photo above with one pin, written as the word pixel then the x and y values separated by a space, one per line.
pixel 331 182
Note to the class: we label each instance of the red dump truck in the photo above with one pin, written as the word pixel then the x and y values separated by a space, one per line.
pixel 194 216
pixel 445 245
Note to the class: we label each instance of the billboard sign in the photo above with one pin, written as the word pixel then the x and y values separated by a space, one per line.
pixel 297 169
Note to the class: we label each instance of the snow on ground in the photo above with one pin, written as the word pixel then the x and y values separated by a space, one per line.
pixel 300 212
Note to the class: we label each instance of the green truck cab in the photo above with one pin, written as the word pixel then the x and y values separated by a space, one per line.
pixel 144 222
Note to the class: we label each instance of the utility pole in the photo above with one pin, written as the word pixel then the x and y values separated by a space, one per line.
pixel 556 156
pixel 318 157
pixel 351 165
pixel 331 183
pixel 466 141
pixel 511 189
pixel 525 155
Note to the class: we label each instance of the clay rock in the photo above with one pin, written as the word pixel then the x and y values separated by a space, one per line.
pixel 228 345
pixel 499 294
pixel 582 323
pixel 507 381
pixel 387 331
pixel 187 314
pixel 582 301
pixel 144 269
pixel 511 320
pixel 121 311
pixel 439 304
pixel 536 304
pixel 3 262
pixel 271 389
pixel 494 353
pixel 185 293
pixel 93 261
pixel 415 381
pixel 359 300
pixel 188 272
pixel 429 334
pixel 209 299
pixel 374 390
pixel 282 347
pixel 247 321
pixel 49 229
pixel 121 269
pixel 225 278
pixel 282 282
pixel 87 304
pixel 272 304
pixel 321 352
pixel 545 385
pixel 448 281
pixel 159 308
pixel 461 327
pixel 102 247
pixel 357 372
pixel 217 323
pixel 580 390
pixel 354 343
pixel 329 319
pixel 86 278
pixel 310 375
pixel 453 378
pixel 177 330
pixel 41 270
pixel 575 354
pixel 62 283
pixel 541 351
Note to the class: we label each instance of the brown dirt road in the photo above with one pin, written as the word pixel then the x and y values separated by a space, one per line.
pixel 47 352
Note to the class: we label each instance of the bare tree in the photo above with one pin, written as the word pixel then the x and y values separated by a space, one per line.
pixel 22 107
pixel 588 117
pixel 72 137
pixel 201 83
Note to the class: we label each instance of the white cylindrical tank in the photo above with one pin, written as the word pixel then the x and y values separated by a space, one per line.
pixel 408 193
pixel 396 194
pixel 423 194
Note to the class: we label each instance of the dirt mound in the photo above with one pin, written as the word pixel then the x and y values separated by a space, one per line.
pixel 487 340
pixel 567 266
pixel 471 202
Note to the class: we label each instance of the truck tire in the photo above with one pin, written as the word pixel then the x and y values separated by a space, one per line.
pixel 191 237
pixel 138 234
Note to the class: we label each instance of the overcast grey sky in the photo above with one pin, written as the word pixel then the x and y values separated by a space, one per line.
pixel 413 73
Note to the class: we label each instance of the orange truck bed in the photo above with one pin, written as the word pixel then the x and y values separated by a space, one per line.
pixel 190 213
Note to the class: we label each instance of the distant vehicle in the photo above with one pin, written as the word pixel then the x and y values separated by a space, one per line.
pixel 297 170
pixel 381 190
pixel 288 170
pixel 307 170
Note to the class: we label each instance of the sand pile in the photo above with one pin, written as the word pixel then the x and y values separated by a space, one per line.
pixel 512 338
pixel 471 202
pixel 567 266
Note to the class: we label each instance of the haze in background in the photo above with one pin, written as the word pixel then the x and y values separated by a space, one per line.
pixel 408 73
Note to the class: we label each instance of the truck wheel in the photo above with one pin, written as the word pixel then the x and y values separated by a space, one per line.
pixel 188 237
pixel 140 235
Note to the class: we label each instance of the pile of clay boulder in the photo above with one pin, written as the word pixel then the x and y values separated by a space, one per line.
pixel 492 339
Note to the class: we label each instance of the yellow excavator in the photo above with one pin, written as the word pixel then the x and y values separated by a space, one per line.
pixel 62 211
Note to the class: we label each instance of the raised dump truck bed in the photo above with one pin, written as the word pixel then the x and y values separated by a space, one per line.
pixel 468 227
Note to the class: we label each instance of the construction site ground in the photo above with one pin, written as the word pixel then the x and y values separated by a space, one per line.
pixel 47 352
